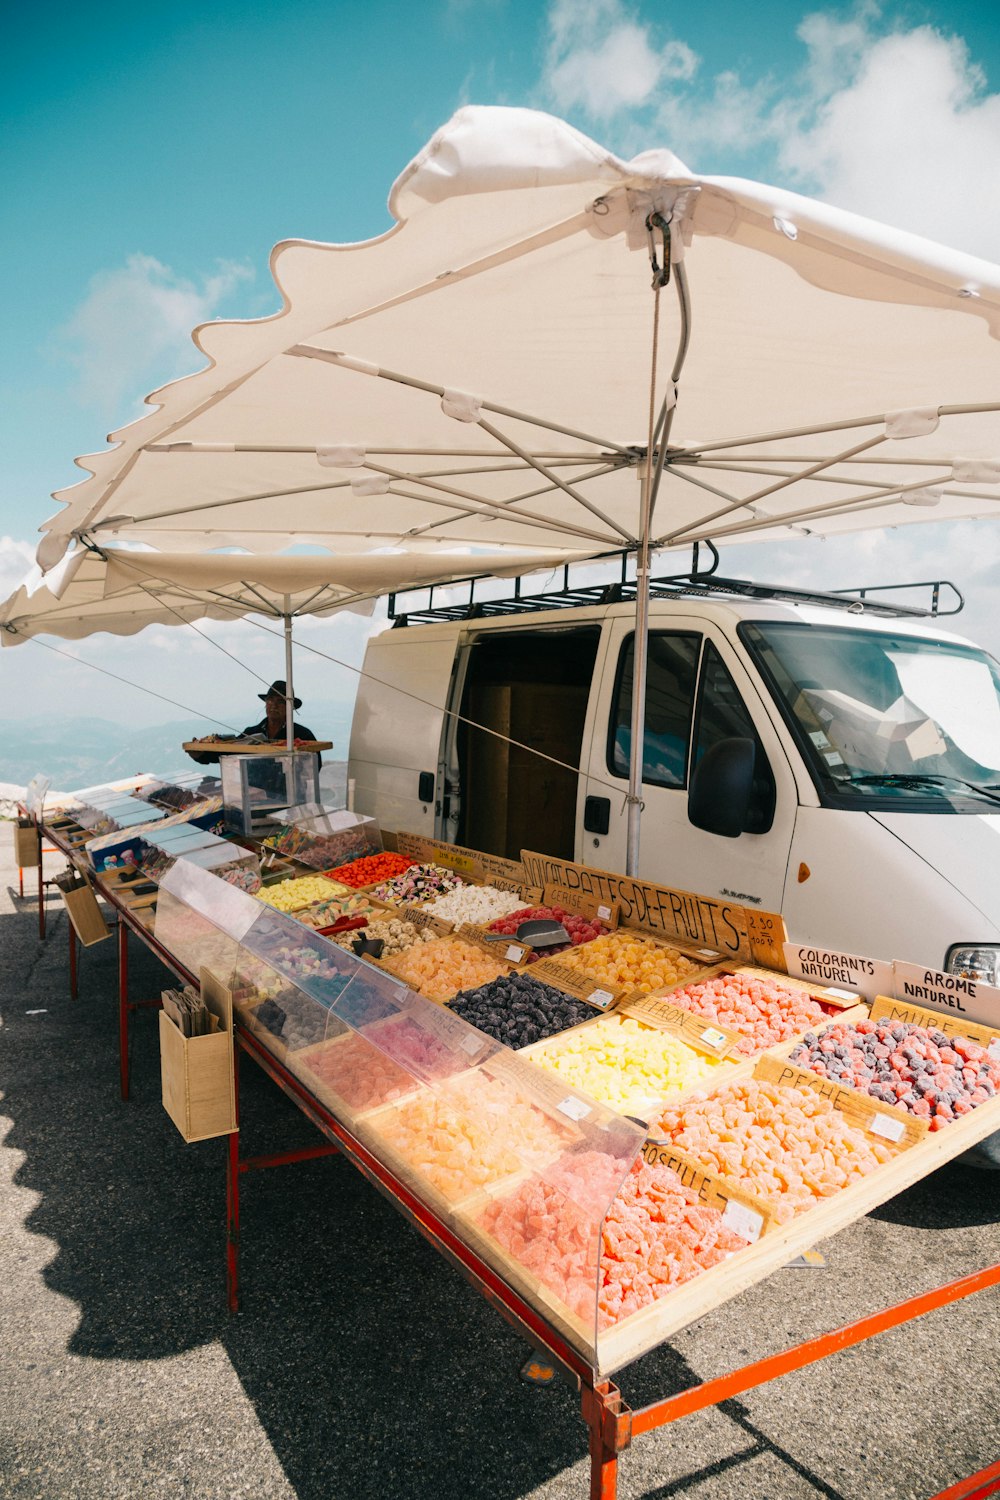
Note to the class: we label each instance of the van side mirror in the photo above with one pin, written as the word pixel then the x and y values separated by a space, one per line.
pixel 721 785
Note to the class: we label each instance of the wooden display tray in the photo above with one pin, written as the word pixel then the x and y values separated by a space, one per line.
pixel 234 747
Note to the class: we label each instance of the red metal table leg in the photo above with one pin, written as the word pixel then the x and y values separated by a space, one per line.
pixel 20 881
pixel 609 1424
pixel 233 1200
pixel 123 1011
pixel 976 1487
pixel 72 959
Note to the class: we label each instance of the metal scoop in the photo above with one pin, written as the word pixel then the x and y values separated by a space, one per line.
pixel 543 932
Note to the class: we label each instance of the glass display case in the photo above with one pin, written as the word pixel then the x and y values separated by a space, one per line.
pixel 326 839
pixel 254 787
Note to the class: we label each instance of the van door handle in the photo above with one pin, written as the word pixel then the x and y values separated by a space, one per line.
pixel 597 814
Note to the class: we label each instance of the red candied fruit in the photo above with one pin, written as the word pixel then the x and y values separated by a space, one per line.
pixel 370 869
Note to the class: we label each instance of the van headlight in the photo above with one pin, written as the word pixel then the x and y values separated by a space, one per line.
pixel 975 961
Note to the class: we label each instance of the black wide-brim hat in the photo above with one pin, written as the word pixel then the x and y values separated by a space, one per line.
pixel 279 689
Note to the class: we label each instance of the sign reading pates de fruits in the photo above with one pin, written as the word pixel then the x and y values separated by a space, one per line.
pixel 681 916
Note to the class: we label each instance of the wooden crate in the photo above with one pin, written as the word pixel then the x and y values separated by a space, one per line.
pixel 197 1073
pixel 26 844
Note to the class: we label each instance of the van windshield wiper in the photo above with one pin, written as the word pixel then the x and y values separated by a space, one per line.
pixel 916 778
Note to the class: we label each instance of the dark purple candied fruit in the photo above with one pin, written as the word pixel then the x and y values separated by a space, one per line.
pixel 517 1010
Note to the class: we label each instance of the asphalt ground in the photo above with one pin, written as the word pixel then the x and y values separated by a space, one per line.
pixel 362 1366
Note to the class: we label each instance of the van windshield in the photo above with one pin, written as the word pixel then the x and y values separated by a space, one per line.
pixel 886 720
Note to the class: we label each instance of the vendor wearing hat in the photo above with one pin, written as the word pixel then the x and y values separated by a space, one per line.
pixel 273 723
pixel 271 726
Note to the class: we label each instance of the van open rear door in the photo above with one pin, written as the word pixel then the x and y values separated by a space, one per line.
pixel 398 729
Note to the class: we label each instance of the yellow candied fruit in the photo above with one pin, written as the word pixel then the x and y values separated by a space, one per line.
pixel 630 961
pixel 623 1063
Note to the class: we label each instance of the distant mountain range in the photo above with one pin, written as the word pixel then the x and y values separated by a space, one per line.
pixel 76 752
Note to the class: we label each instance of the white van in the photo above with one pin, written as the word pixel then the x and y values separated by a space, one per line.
pixel 836 761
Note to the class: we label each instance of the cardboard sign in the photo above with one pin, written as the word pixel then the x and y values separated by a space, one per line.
pixel 581 905
pixel 837 999
pixel 885 1008
pixel 885 1120
pixel 703 1035
pixel 481 869
pixel 508 951
pixel 742 1212
pixel 581 986
pixel 422 920
pixel 946 992
pixel 837 971
pixel 673 915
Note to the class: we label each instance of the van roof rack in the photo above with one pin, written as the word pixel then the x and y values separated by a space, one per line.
pixel 703 584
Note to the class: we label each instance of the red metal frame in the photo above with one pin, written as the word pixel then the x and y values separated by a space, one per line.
pixel 976 1487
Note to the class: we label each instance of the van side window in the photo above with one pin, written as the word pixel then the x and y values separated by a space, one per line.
pixel 671 672
pixel 722 714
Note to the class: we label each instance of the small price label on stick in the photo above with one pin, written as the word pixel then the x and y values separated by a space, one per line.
pixel 514 954
pixel 743 1220
pixel 574 1108
pixel 602 998
pixel 886 1126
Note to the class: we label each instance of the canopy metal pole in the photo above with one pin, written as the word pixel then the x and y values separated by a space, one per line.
pixel 639 659
pixel 289 689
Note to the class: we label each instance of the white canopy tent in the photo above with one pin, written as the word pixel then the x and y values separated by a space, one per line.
pixel 497 371
pixel 121 591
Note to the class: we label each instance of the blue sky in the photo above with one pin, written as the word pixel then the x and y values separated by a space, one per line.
pixel 149 161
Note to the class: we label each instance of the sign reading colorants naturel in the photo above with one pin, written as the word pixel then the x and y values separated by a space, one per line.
pixel 936 990
pixel 829 968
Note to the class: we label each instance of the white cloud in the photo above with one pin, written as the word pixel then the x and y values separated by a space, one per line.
pixel 133 328
pixel 17 558
pixel 602 61
pixel 908 139
pixel 891 121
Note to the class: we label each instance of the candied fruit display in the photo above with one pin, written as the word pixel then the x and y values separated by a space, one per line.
pixel 917 1068
pixel 339 908
pixel 478 904
pixel 518 1010
pixel 394 933
pixel 656 1235
pixel 623 1063
pixel 580 929
pixel 789 1145
pixel 292 895
pixel 633 962
pixel 361 1075
pixel 369 869
pixel 441 968
pixel 761 1010
pixel 470 1131
pixel 418 883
